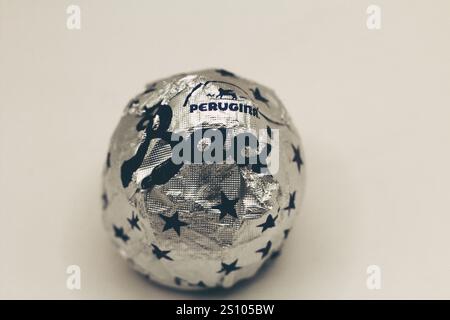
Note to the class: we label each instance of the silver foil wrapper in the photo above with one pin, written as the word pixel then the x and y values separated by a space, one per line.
pixel 200 225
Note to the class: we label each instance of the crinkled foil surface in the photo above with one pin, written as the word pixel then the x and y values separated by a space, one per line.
pixel 199 225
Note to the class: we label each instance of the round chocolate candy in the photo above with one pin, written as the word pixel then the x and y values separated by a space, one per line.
pixel 203 179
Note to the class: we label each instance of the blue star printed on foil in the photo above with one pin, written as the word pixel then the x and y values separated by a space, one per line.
pixel 291 205
pixel 258 96
pixel 173 222
pixel 199 284
pixel 161 254
pixel 270 223
pixel 178 281
pixel 226 206
pixel 120 233
pixel 108 160
pixel 133 221
pixel 105 201
pixel 228 268
pixel 265 251
pixel 225 73
pixel 297 158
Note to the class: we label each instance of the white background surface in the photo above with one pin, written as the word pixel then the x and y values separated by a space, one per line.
pixel 373 108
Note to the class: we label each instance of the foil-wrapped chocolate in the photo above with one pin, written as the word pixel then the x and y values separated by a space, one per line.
pixel 203 179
